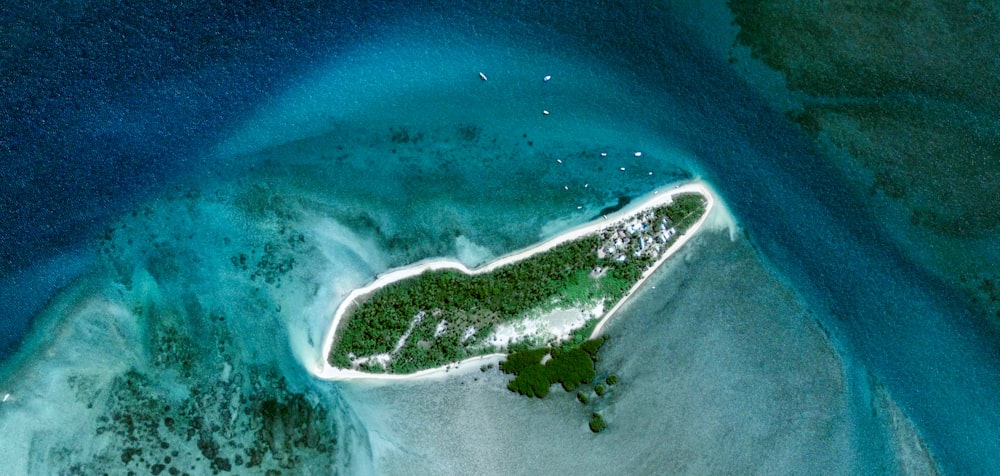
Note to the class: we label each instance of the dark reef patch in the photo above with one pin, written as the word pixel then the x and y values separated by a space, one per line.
pixel 201 400
pixel 623 200
pixel 881 89
pixel 251 420
pixel 902 97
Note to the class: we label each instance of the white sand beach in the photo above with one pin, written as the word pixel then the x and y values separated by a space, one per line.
pixel 323 370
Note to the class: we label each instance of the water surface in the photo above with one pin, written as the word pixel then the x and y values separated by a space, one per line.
pixel 199 206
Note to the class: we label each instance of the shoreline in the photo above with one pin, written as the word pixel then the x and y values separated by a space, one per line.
pixel 325 371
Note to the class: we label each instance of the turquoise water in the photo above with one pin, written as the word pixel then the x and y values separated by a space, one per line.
pixel 174 311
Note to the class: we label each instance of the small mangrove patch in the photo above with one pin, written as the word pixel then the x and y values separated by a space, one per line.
pixel 536 370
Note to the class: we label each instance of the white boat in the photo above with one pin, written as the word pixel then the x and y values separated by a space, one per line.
pixel 481 75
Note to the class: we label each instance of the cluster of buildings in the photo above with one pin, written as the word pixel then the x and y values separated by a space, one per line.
pixel 644 234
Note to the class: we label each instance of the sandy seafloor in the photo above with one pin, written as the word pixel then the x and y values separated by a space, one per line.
pixel 738 381
pixel 173 329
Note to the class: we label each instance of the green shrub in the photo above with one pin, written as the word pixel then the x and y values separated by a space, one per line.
pixel 593 345
pixel 517 362
pixel 611 380
pixel 597 423
pixel 599 390
pixel 531 382
pixel 571 368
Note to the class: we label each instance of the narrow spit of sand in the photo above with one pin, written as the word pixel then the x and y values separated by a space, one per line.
pixel 323 370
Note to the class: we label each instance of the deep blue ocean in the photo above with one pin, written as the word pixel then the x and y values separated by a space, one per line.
pixel 189 189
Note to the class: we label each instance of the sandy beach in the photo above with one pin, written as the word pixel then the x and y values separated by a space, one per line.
pixel 325 371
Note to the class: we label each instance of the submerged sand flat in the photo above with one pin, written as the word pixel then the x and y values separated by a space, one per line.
pixel 720 370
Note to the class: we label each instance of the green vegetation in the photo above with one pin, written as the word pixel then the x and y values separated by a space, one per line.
pixel 571 368
pixel 611 380
pixel 599 390
pixel 597 423
pixel 685 210
pixel 582 397
pixel 447 315
pixel 580 335
pixel 593 345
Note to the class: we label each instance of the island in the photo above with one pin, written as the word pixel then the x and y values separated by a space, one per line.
pixel 438 315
